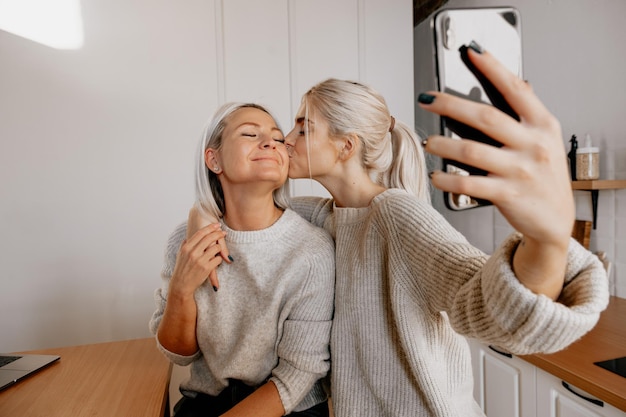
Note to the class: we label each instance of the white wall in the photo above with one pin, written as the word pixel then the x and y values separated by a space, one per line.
pixel 97 144
pixel 574 56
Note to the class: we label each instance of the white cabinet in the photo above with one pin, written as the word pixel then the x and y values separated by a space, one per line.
pixel 558 399
pixel 503 384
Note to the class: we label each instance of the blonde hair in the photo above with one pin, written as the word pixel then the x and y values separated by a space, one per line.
pixel 209 193
pixel 391 151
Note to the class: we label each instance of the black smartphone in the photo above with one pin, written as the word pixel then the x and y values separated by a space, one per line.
pixel 497 29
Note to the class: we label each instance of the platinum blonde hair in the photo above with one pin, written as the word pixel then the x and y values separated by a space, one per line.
pixel 209 192
pixel 391 151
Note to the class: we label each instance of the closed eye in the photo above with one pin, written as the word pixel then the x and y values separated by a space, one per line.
pixel 304 125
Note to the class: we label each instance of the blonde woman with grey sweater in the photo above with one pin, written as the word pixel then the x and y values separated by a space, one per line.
pixel 409 287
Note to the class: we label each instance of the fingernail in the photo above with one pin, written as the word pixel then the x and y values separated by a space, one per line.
pixel 425 98
pixel 476 47
pixel 430 174
pixel 230 258
pixel 424 143
pixel 214 288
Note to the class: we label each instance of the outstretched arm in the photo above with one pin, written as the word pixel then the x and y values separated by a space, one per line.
pixel 527 177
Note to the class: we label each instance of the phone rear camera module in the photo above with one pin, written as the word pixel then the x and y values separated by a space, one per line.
pixel 449 37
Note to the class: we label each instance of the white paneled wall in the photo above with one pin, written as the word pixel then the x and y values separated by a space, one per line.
pixel 97 144
pixel 255 52
pixel 96 149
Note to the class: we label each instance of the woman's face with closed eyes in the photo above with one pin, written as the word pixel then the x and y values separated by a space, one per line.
pixel 252 151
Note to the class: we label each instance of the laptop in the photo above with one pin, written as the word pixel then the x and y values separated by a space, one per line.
pixel 15 367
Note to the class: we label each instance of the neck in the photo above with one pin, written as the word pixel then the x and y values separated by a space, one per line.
pixel 352 188
pixel 246 212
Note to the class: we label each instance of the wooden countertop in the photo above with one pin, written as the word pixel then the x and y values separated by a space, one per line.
pixel 127 378
pixel 575 363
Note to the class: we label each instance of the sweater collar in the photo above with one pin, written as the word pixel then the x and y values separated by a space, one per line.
pixel 275 231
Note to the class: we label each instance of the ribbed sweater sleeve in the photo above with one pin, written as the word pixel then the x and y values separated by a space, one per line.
pixel 482 295
pixel 303 351
pixel 524 322
pixel 160 294
pixel 313 209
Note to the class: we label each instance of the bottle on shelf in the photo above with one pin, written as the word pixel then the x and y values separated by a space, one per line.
pixel 587 161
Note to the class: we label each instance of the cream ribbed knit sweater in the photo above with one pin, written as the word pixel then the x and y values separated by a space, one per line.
pixel 409 285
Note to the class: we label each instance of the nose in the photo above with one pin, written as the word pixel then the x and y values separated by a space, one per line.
pixel 268 142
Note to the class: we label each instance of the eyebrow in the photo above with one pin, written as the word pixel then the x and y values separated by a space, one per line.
pixel 257 125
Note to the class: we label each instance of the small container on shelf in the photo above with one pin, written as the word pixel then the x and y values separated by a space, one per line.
pixel 587 161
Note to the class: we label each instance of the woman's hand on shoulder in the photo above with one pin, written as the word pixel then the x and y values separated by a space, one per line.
pixel 200 253
pixel 197 261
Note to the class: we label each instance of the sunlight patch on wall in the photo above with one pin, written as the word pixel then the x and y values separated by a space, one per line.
pixel 54 23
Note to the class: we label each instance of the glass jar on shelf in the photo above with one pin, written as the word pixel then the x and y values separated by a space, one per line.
pixel 587 161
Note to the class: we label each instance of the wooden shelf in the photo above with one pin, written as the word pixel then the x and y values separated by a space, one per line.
pixel 594 186
pixel 598 185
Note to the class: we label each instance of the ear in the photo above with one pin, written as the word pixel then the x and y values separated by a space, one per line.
pixel 211 161
pixel 350 144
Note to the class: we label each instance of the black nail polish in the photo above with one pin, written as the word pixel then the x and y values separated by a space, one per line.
pixel 424 143
pixel 430 174
pixel 214 288
pixel 476 47
pixel 230 258
pixel 425 98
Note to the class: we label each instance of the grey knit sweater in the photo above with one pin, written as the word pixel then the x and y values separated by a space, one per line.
pixel 271 317
pixel 409 286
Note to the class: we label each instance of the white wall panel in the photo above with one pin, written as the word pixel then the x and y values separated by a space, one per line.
pixel 97 144
pixel 387 45
pixel 324 43
pixel 256 53
pixel 96 151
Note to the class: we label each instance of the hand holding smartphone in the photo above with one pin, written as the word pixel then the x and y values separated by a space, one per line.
pixel 496 29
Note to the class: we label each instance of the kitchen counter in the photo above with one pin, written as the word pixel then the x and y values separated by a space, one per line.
pixel 575 363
